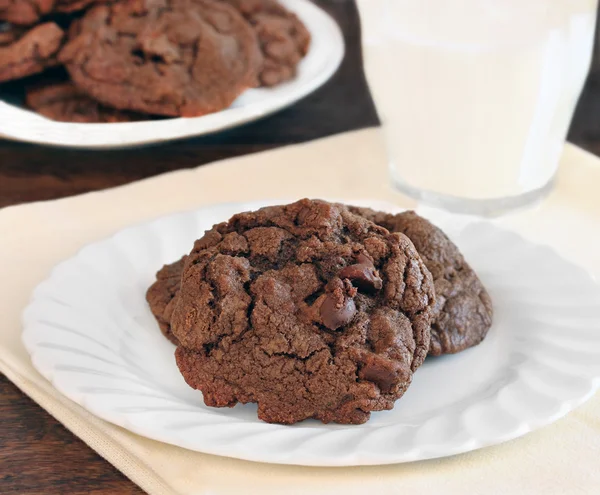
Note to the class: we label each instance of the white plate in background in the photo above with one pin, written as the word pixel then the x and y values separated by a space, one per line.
pixel 90 332
pixel 323 59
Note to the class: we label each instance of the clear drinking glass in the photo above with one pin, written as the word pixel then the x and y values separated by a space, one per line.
pixel 476 96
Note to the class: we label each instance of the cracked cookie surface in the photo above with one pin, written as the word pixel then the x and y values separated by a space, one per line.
pixel 164 57
pixel 28 12
pixel 75 5
pixel 463 311
pixel 28 51
pixel 283 38
pixel 24 12
pixel 306 309
pixel 65 102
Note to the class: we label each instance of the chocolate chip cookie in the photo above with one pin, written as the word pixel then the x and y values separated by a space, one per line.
pixel 63 101
pixel 25 51
pixel 161 296
pixel 463 311
pixel 165 57
pixel 75 5
pixel 24 12
pixel 306 309
pixel 284 40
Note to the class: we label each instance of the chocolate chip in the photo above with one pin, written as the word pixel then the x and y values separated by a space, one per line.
pixel 338 307
pixel 363 274
pixel 384 378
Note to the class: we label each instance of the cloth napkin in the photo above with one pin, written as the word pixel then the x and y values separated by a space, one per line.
pixel 558 459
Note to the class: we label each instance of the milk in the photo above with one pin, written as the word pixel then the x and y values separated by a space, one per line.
pixel 476 96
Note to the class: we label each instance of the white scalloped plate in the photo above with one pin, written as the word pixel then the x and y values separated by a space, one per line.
pixel 89 331
pixel 324 57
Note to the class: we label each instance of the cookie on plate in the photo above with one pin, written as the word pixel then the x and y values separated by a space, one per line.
pixel 306 309
pixel 165 57
pixel 463 311
pixel 27 51
pixel 161 296
pixel 284 40
pixel 65 102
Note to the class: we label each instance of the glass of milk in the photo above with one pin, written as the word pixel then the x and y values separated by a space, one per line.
pixel 476 96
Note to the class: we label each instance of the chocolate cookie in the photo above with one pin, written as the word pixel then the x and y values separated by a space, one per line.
pixel 24 52
pixel 24 12
pixel 64 102
pixel 166 57
pixel 161 296
pixel 284 39
pixel 75 5
pixel 306 309
pixel 463 311
pixel 28 12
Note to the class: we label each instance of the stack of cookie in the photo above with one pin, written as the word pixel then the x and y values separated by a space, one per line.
pixel 128 59
pixel 317 310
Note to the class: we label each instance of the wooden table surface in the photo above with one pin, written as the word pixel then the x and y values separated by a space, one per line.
pixel 37 454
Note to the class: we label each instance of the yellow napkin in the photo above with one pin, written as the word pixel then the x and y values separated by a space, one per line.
pixel 561 458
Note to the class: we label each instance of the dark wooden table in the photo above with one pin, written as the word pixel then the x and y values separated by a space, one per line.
pixel 37 454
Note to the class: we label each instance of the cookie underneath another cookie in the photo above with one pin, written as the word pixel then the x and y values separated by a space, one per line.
pixel 25 51
pixel 161 296
pixel 64 102
pixel 463 311
pixel 284 40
